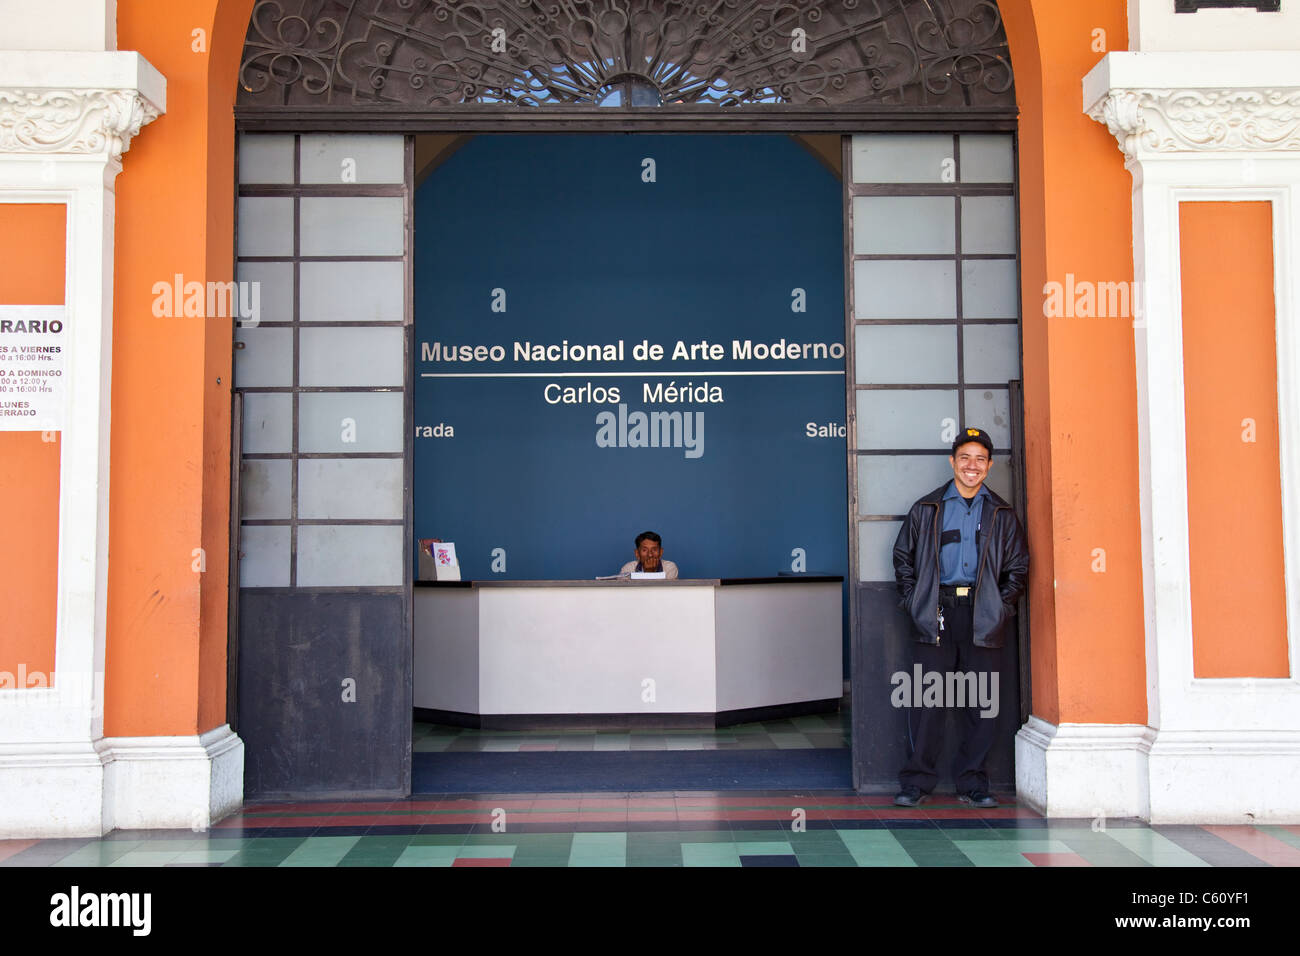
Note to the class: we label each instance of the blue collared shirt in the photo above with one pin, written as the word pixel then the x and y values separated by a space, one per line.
pixel 959 560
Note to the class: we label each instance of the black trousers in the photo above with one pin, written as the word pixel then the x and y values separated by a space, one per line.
pixel 955 652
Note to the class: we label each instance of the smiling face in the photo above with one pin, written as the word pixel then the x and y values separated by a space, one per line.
pixel 648 553
pixel 970 466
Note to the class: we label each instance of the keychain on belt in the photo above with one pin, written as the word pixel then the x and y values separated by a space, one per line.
pixel 940 617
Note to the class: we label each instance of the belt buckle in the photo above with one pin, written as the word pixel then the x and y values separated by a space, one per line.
pixel 963 592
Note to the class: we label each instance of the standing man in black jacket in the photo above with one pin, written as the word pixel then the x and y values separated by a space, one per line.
pixel 960 562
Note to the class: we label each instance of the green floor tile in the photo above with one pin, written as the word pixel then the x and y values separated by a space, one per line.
pixel 426 856
pixel 1156 848
pixel 705 836
pixel 320 851
pixel 205 856
pixel 1280 833
pixel 97 854
pixel 145 858
pixel 875 848
pixel 606 841
pixel 828 861
pixel 710 854
pixel 1098 847
pixel 764 848
pixel 968 834
pixel 993 854
pixel 437 839
pixel 482 851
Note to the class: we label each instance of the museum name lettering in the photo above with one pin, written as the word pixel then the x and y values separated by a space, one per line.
pixel 643 351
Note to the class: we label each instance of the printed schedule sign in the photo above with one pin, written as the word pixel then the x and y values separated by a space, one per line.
pixel 33 354
pixel 631 333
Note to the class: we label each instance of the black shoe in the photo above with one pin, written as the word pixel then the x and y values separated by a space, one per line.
pixel 909 797
pixel 978 798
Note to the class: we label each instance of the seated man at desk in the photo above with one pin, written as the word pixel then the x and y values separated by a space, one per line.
pixel 649 556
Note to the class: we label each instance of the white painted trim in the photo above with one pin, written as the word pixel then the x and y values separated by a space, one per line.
pixel 60 24
pixel 1128 770
pixel 1239 777
pixel 174 781
pixel 57 791
pixel 1083 770
pixel 50 70
pixel 78 789
pixel 1236 71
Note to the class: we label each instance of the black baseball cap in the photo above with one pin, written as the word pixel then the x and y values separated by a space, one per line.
pixel 968 435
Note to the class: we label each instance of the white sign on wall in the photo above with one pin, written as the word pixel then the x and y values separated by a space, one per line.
pixel 33 367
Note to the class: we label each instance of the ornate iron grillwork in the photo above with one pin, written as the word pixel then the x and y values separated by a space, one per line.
pixel 625 54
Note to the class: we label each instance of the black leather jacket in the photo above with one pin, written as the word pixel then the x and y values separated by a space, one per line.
pixel 1000 578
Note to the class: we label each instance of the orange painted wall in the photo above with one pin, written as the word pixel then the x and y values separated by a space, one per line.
pixel 166 652
pixel 32 272
pixel 1087 638
pixel 170 481
pixel 1234 486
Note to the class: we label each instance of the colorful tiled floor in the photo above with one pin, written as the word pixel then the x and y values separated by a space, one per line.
pixel 664 829
pixel 821 731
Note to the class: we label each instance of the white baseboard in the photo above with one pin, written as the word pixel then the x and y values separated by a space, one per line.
pixel 50 790
pixel 80 789
pixel 1083 770
pixel 156 782
pixel 1131 770
pixel 1237 777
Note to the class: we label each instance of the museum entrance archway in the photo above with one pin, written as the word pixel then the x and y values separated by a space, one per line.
pixel 387 70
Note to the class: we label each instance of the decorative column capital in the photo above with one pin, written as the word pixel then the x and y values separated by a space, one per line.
pixel 1161 121
pixel 78 121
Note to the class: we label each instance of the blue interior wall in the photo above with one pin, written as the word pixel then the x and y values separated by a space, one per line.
pixel 586 250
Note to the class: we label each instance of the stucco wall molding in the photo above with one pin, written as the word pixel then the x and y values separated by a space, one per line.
pixel 1200 120
pixel 72 121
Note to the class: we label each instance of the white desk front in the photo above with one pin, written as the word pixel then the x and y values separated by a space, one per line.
pixel 626 647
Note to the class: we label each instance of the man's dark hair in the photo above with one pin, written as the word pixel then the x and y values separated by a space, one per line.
pixel 651 536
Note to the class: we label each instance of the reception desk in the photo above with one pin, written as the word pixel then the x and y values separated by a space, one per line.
pixel 713 650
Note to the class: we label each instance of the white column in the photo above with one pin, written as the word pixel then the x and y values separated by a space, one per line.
pixel 65 120
pixel 1193 126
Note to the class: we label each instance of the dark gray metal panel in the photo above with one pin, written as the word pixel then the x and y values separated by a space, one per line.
pixel 883 647
pixel 301 737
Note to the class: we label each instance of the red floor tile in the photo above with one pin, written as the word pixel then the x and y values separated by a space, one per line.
pixel 551 817
pixel 482 861
pixel 598 803
pixel 10 847
pixel 736 814
pixel 1259 844
pixel 953 813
